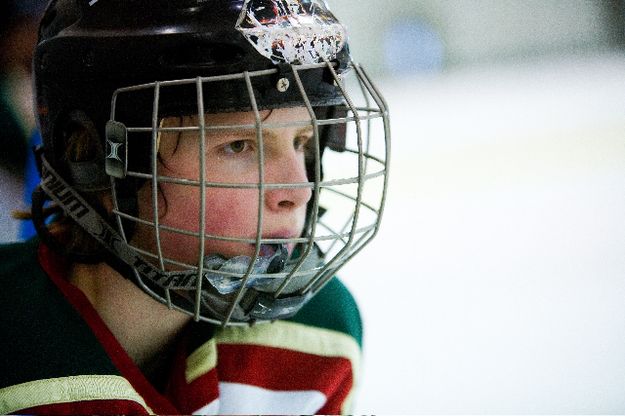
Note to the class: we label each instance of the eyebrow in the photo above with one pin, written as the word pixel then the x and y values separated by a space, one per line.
pixel 272 136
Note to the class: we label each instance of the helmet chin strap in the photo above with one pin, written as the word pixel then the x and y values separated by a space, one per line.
pixel 225 276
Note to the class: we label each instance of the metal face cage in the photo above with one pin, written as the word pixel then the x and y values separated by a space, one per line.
pixel 352 137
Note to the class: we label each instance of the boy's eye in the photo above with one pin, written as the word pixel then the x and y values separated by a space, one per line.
pixel 237 146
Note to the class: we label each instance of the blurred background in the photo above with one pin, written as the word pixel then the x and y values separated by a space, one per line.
pixel 497 282
pixel 19 20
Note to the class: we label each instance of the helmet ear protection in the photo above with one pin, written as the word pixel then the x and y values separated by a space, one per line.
pixel 101 111
pixel 80 137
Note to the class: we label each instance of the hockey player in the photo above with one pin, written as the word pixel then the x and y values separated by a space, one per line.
pixel 182 265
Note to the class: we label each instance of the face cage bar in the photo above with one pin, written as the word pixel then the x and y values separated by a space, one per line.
pixel 348 233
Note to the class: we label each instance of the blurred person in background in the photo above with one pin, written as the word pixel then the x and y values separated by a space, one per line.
pixel 18 36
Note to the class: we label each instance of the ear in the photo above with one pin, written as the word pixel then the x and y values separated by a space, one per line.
pixel 83 153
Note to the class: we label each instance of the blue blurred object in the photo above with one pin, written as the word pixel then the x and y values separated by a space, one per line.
pixel 12 11
pixel 31 180
pixel 25 8
pixel 413 47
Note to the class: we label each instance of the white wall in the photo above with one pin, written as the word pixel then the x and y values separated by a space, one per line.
pixel 479 30
pixel 496 284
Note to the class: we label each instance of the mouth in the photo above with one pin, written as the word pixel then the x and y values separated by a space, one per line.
pixel 270 249
pixel 278 254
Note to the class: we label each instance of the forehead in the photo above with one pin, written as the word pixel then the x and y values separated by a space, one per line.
pixel 279 115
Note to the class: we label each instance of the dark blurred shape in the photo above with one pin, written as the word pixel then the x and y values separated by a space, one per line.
pixel 616 12
pixel 18 36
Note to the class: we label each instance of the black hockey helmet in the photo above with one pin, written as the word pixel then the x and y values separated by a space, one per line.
pixel 116 68
pixel 90 48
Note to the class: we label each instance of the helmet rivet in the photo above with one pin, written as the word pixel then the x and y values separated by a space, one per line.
pixel 283 84
pixel 89 58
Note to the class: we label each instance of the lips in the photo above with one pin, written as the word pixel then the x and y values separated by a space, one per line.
pixel 270 249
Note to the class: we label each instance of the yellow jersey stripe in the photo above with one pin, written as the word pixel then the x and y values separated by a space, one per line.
pixel 201 361
pixel 293 336
pixel 67 390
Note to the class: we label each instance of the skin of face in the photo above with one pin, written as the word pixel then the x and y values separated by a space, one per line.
pixel 231 156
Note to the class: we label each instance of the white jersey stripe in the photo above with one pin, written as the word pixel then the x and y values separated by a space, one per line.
pixel 210 409
pixel 263 401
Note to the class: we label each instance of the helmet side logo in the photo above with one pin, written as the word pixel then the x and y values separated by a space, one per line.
pixel 113 150
pixel 292 31
pixel 116 161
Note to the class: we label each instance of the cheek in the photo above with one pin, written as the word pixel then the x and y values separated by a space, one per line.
pixel 229 212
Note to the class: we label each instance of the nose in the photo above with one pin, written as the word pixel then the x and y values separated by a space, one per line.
pixel 289 169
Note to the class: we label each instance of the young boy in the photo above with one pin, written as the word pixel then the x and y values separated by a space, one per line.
pixel 179 213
